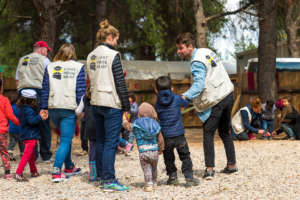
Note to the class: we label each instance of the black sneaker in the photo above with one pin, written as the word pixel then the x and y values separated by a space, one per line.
pixel 209 174
pixel 228 170
pixel 191 182
pixel 172 181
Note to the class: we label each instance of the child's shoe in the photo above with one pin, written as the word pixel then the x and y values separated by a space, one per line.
pixel 208 174
pixel 128 148
pixel 20 178
pixel 8 176
pixel 148 188
pixel 172 180
pixel 73 171
pixel 93 171
pixel 35 174
pixel 251 136
pixel 191 182
pixel 114 186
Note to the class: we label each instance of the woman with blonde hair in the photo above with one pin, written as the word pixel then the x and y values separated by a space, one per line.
pixel 248 120
pixel 109 99
pixel 63 87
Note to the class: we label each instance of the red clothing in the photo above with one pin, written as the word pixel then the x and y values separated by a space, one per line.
pixel 6 112
pixel 28 157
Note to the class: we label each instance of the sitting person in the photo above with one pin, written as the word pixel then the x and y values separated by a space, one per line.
pixel 287 118
pixel 248 120
pixel 268 115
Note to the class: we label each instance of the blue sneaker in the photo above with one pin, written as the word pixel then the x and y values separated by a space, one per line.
pixel 114 186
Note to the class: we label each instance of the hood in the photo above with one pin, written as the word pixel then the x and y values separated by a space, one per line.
pixel 148 125
pixel 165 97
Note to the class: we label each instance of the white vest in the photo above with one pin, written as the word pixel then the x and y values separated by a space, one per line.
pixel 237 122
pixel 217 83
pixel 62 83
pixel 99 70
pixel 31 71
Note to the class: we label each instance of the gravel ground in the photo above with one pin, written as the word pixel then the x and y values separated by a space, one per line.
pixel 267 170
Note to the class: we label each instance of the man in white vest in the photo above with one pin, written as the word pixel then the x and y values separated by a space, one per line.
pixel 212 96
pixel 29 75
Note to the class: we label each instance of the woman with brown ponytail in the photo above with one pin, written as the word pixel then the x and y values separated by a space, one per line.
pixel 109 99
pixel 248 120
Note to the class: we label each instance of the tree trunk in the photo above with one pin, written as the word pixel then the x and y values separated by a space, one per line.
pixel 99 17
pixel 292 20
pixel 201 24
pixel 48 10
pixel 267 49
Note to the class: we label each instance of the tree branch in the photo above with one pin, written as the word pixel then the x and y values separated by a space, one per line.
pixel 4 6
pixel 250 13
pixel 23 17
pixel 244 8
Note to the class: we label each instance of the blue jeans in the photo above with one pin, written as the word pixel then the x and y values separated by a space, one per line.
pixel 65 121
pixel 288 130
pixel 268 125
pixel 108 127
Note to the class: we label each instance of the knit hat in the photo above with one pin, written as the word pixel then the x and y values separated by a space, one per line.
pixel 29 93
pixel 147 110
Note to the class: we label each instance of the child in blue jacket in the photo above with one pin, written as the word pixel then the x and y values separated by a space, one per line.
pixel 30 132
pixel 149 140
pixel 168 109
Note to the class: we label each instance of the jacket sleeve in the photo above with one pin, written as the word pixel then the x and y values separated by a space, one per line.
pixel 10 114
pixel 183 102
pixel 120 83
pixel 45 90
pixel 245 120
pixel 80 85
pixel 32 117
pixel 198 70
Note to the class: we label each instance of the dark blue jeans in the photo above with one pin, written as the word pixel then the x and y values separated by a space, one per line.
pixel 65 121
pixel 108 127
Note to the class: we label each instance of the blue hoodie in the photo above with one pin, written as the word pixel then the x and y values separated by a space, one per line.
pixel 145 130
pixel 169 114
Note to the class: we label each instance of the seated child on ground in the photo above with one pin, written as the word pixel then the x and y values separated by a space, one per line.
pixel 268 115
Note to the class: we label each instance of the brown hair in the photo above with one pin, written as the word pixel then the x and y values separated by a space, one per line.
pixel 66 52
pixel 256 103
pixel 13 96
pixel 186 38
pixel 105 30
pixel 27 101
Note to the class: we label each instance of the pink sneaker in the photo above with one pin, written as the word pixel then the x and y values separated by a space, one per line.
pixel 8 176
pixel 251 136
pixel 73 171
pixel 59 177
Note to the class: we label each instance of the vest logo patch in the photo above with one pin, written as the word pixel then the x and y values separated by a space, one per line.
pixel 57 72
pixel 93 62
pixel 25 61
pixel 211 61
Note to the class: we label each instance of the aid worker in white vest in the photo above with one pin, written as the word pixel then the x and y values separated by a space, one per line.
pixel 248 120
pixel 212 96
pixel 109 98
pixel 63 87
pixel 29 75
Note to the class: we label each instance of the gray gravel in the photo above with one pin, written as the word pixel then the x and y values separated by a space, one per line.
pixel 267 170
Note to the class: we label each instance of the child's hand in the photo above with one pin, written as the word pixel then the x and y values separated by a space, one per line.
pixel 44 114
pixel 127 125
pixel 273 133
pixel 267 134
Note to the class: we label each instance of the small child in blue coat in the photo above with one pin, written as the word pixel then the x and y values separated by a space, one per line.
pixel 150 143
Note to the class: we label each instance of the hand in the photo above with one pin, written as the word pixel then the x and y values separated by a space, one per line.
pixel 80 116
pixel 44 114
pixel 125 116
pixel 273 133
pixel 184 97
pixel 267 134
pixel 261 131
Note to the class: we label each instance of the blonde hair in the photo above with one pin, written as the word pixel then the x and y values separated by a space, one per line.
pixel 66 52
pixel 256 103
pixel 105 30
